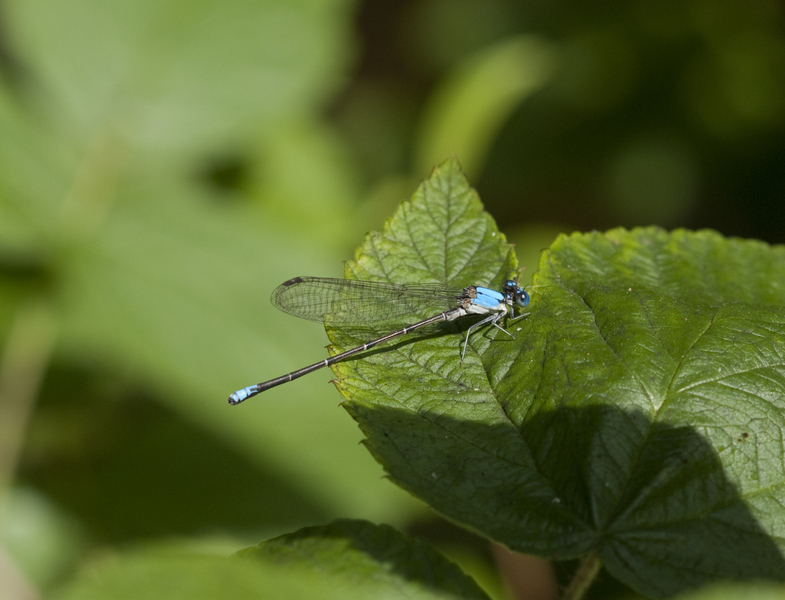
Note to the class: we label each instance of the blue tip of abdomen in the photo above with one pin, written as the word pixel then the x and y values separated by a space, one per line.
pixel 240 395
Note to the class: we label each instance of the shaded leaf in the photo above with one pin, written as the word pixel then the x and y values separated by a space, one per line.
pixel 357 555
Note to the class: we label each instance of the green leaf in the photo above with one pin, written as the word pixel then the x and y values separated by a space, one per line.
pixel 441 236
pixel 749 591
pixel 377 559
pixel 180 75
pixel 172 573
pixel 637 413
pixel 469 108
pixel 152 274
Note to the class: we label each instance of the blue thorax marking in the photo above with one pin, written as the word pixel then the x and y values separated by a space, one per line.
pixel 488 298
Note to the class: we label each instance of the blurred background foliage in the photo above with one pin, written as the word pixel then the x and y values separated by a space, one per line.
pixel 165 164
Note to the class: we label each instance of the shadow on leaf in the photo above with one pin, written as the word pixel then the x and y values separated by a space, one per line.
pixel 651 499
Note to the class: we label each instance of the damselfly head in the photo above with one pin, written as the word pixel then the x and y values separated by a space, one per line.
pixel 515 293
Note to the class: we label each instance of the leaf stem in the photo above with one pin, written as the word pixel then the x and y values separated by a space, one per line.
pixel 584 577
pixel 23 365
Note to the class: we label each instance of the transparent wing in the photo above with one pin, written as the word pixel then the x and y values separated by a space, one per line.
pixel 350 302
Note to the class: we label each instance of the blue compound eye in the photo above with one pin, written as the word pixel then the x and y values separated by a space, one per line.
pixel 521 298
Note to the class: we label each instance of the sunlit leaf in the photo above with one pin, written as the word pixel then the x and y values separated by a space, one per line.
pixel 637 413
pixel 183 574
